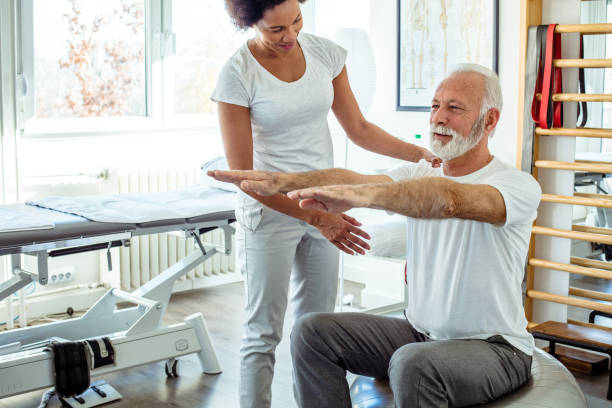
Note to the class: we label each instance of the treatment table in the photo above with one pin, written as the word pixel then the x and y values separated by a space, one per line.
pixel 136 332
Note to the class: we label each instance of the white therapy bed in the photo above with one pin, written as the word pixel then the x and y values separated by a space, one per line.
pixel 136 332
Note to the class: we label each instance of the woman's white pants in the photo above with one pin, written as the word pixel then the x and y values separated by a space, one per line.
pixel 274 251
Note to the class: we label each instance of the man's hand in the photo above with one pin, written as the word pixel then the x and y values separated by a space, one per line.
pixel 334 199
pixel 342 231
pixel 432 158
pixel 264 183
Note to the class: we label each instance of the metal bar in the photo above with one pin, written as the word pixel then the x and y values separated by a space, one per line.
pixel 580 270
pixel 583 236
pixel 196 237
pixel 7 288
pixel 86 248
pixel 160 287
pixel 590 167
pixel 133 299
pixel 42 263
pixel 46 246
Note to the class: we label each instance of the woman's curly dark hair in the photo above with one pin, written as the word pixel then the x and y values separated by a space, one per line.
pixel 245 13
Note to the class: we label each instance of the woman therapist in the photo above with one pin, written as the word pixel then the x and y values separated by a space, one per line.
pixel 274 96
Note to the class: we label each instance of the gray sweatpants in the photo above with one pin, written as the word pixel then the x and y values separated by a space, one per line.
pixel 422 372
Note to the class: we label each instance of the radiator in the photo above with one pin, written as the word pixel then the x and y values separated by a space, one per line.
pixel 149 255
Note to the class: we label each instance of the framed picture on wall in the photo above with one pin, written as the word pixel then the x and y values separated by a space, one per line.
pixel 435 35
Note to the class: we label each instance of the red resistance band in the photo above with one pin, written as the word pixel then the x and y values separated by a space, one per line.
pixel 546 112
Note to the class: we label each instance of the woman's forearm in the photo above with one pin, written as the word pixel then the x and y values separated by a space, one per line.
pixel 375 139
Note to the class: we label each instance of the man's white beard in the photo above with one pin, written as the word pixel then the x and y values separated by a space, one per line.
pixel 458 145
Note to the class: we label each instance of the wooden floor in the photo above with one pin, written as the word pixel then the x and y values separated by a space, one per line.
pixel 147 386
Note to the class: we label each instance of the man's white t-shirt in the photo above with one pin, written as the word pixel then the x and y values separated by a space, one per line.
pixel 464 277
pixel 288 119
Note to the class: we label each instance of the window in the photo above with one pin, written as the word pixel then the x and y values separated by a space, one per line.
pixel 204 41
pixel 121 65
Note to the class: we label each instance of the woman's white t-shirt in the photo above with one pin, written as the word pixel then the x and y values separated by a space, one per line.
pixel 464 277
pixel 288 119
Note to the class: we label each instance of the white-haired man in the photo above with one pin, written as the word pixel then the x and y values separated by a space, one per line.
pixel 464 340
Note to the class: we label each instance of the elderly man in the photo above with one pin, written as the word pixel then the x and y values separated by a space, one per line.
pixel 464 340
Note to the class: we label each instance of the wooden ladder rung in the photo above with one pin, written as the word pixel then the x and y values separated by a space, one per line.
pixel 594 230
pixel 584 28
pixel 583 63
pixel 588 167
pixel 574 97
pixel 590 202
pixel 580 270
pixel 575 132
pixel 593 162
pixel 590 294
pixel 591 263
pixel 566 300
pixel 583 236
pixel 595 196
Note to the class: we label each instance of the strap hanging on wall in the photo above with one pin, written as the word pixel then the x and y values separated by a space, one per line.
pixel 582 106
pixel 531 84
pixel 545 112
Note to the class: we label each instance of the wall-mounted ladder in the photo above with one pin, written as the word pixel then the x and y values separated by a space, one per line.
pixel 572 332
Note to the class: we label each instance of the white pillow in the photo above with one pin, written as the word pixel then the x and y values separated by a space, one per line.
pixel 218 163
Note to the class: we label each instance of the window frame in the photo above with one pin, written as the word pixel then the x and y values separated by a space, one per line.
pixel 32 127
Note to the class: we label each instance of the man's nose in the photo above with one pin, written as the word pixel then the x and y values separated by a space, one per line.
pixel 439 117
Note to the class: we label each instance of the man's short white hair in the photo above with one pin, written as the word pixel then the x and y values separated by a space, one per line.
pixel 492 97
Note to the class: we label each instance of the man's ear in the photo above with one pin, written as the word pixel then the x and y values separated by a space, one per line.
pixel 491 120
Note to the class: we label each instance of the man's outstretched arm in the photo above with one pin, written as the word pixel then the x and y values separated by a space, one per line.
pixel 429 197
pixel 268 183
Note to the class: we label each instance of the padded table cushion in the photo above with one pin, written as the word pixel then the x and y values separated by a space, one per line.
pixel 69 226
pixel 551 385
